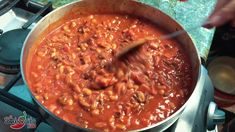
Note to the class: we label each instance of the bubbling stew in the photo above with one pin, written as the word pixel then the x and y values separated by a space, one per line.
pixel 73 74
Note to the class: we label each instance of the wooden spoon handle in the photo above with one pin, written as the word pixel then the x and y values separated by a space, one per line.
pixel 133 45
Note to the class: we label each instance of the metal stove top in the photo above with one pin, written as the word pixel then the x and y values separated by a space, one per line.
pixel 14 93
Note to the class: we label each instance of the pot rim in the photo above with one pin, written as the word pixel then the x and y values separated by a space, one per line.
pixel 88 129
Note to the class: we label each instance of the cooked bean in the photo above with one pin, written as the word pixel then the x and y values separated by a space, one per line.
pixel 172 105
pixel 68 107
pixel 52 107
pixel 53 55
pixel 70 101
pixel 61 69
pixel 35 75
pixel 145 87
pixel 83 48
pixel 112 121
pixel 39 90
pixel 84 103
pixel 42 54
pixel 69 70
pixel 73 24
pixel 95 112
pixel 94 21
pixel 65 117
pixel 120 73
pixel 37 97
pixel 129 85
pixel 98 50
pixel 40 98
pixel 66 28
pixel 78 49
pixel 121 126
pixel 65 100
pixel 94 105
pixel 57 76
pixel 87 91
pixel 76 88
pixel 113 97
pixel 57 111
pixel 110 92
pixel 181 92
pixel 114 46
pixel 106 130
pixel 102 81
pixel 39 67
pixel 135 87
pixel 154 46
pixel 161 92
pixel 161 87
pixel 68 79
pixel 100 124
pixel 46 96
pixel 87 59
pixel 74 56
pixel 120 88
pixel 140 97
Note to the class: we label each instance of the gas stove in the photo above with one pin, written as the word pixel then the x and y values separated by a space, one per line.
pixel 17 18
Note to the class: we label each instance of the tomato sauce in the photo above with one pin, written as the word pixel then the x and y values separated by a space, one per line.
pixel 74 75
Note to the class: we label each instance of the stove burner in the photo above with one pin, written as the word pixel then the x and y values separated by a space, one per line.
pixel 10 48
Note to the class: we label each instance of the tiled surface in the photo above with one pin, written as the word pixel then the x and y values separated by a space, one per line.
pixel 190 13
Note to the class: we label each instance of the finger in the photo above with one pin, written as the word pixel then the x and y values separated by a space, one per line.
pixel 223 15
pixel 210 23
pixel 219 5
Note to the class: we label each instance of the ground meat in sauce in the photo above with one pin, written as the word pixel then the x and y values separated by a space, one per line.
pixel 69 74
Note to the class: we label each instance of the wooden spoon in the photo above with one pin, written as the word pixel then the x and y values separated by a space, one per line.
pixel 132 46
pixel 142 41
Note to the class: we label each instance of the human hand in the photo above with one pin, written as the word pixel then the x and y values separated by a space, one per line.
pixel 223 13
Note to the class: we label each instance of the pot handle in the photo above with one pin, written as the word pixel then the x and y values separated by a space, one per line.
pixel 215 116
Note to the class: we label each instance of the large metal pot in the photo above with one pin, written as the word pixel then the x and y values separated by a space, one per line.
pixel 46 24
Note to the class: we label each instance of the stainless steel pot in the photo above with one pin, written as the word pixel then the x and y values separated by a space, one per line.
pixel 46 24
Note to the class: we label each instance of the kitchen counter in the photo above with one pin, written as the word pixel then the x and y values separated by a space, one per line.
pixel 189 14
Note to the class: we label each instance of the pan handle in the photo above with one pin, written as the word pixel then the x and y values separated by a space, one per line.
pixel 215 116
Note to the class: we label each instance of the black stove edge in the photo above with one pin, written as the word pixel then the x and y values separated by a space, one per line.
pixel 34 7
pixel 7 6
